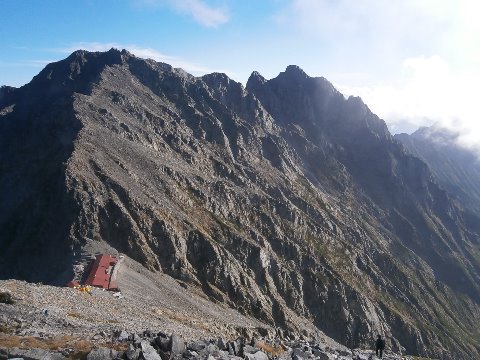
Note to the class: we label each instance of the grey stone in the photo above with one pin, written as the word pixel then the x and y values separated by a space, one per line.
pixel 101 353
pixel 231 349
pixel 259 355
pixel 325 356
pixel 222 345
pixel 190 354
pixel 163 343
pixel 137 342
pixel 177 345
pixel 361 357
pixel 196 345
pixel 34 354
pixel 298 353
pixel 122 336
pixel 236 347
pixel 163 354
pixel 132 353
pixel 343 352
pixel 212 349
pixel 247 349
pixel 148 351
pixel 148 334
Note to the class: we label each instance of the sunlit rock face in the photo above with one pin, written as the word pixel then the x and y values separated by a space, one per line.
pixel 282 199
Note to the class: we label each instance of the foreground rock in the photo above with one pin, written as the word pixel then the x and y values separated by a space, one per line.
pixel 147 349
pixel 32 354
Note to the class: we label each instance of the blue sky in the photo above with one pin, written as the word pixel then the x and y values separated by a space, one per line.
pixel 414 62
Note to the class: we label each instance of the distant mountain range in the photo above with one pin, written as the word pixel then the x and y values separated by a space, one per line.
pixel 282 199
pixel 455 167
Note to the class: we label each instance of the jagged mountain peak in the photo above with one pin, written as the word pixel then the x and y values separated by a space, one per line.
pixel 255 81
pixel 437 133
pixel 7 94
pixel 294 72
pixel 82 69
pixel 220 80
pixel 293 97
pixel 82 61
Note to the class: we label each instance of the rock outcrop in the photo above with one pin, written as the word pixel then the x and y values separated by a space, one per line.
pixel 283 199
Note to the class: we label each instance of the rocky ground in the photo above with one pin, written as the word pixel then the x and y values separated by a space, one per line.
pixel 145 303
pixel 155 318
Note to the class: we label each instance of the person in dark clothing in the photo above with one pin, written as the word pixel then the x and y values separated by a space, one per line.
pixel 379 346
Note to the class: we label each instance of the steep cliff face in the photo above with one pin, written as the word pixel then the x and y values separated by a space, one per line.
pixel 282 199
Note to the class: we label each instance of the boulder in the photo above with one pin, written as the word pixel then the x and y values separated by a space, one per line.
pixel 325 356
pixel 134 337
pixel 247 349
pixel 361 357
pixel 190 354
pixel 122 335
pixel 163 343
pixel 222 345
pixel 299 354
pixel 101 354
pixel 148 352
pixel 231 349
pixel 320 347
pixel 344 352
pixel 163 354
pixel 259 355
pixel 212 349
pixel 196 345
pixel 132 353
pixel 236 347
pixel 177 345
pixel 148 334
pixel 34 354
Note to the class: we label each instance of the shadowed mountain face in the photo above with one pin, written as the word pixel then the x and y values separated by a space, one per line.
pixel 456 168
pixel 282 199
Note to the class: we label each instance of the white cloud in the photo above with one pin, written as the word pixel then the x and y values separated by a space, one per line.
pixel 38 63
pixel 202 13
pixel 199 10
pixel 429 91
pixel 26 63
pixel 421 56
pixel 146 53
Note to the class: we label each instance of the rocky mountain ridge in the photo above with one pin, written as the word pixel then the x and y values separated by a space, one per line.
pixel 282 199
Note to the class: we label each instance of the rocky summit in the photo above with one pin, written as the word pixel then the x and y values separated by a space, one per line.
pixel 283 200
